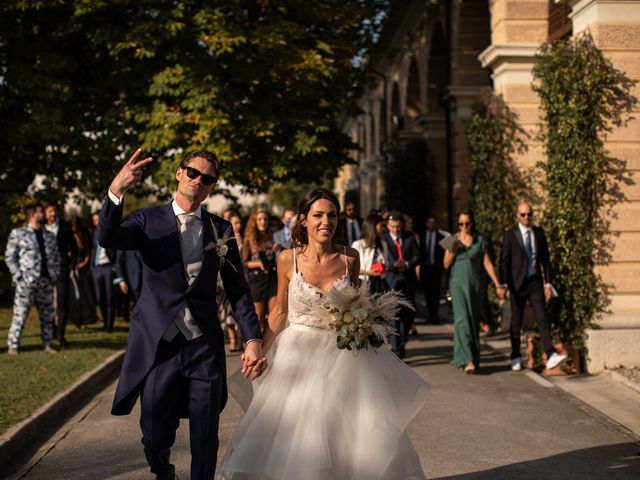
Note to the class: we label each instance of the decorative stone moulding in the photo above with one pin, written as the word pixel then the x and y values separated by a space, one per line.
pixel 511 64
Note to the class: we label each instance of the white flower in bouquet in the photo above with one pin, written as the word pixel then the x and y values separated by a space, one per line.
pixel 362 320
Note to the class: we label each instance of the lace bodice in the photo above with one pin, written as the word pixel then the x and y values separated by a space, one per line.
pixel 305 306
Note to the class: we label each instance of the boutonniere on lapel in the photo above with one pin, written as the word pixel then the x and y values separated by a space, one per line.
pixel 220 245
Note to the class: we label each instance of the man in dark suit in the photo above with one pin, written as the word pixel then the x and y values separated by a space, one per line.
pixel 103 271
pixel 351 224
pixel 401 258
pixel 282 237
pixel 129 273
pixel 68 257
pixel 175 359
pixel 527 273
pixel 431 267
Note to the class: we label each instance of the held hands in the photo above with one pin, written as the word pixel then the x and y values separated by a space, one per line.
pixel 254 363
pixel 400 264
pixel 131 173
pixel 502 293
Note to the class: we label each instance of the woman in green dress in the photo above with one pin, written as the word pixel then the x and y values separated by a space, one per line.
pixel 467 257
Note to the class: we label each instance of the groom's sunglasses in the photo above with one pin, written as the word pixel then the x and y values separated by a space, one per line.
pixel 192 173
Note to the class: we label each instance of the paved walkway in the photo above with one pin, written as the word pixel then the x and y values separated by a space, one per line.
pixel 495 425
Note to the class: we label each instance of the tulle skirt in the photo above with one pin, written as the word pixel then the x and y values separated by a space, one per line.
pixel 320 413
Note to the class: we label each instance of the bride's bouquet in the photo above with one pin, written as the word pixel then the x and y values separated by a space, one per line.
pixel 360 319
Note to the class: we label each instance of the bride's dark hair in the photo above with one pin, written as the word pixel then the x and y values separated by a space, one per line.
pixel 299 233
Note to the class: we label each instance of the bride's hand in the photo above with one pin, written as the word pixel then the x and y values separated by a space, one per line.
pixel 260 368
pixel 251 357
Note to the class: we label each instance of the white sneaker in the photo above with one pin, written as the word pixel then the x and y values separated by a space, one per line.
pixel 555 360
pixel 516 364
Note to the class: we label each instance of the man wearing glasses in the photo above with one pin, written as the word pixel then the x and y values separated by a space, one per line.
pixel 175 359
pixel 526 271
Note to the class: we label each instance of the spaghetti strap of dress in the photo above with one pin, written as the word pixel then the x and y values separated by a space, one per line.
pixel 295 262
pixel 346 262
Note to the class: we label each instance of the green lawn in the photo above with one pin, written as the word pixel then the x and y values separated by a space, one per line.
pixel 31 378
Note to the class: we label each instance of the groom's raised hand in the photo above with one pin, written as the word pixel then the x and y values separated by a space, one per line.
pixel 254 363
pixel 130 173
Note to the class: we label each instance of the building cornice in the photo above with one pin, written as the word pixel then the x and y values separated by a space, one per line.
pixel 497 54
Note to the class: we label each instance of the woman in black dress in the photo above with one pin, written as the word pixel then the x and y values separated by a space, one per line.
pixel 259 256
pixel 81 301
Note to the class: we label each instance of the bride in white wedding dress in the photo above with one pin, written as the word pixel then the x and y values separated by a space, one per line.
pixel 320 413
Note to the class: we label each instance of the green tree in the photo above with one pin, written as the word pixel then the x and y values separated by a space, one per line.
pixel 261 83
pixel 582 97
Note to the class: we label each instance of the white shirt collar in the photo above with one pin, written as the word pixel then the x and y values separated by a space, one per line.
pixel 524 229
pixel 177 210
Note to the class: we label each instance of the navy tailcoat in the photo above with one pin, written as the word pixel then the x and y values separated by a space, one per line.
pixel 154 233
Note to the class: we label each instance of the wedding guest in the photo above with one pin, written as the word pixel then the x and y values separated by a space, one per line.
pixel 431 267
pixel 226 214
pixel 103 270
pixel 81 301
pixel 401 257
pixel 68 254
pixel 408 227
pixel 282 237
pixel 369 247
pixel 225 309
pixel 527 273
pixel 34 262
pixel 236 223
pixel 129 277
pixel 467 258
pixel 351 224
pixel 381 226
pixel 259 256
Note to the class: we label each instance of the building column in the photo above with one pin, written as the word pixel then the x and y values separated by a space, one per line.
pixel 615 27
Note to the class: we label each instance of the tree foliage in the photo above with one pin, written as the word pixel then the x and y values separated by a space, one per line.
pixel 263 84
pixel 495 137
pixel 582 97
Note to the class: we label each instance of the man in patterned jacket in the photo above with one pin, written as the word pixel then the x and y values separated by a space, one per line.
pixel 34 262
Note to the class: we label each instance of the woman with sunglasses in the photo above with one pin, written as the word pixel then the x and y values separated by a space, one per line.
pixel 259 256
pixel 467 258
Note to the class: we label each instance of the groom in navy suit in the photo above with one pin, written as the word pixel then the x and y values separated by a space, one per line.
pixel 175 359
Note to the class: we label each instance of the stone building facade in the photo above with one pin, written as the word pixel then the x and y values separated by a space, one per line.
pixel 438 57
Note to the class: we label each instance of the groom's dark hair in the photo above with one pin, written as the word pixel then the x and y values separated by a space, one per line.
pixel 207 155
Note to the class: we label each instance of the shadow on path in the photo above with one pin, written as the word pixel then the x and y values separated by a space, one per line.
pixel 609 462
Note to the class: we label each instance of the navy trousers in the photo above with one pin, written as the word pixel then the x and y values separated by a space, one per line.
pixel 185 378
pixel 103 277
pixel 403 324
